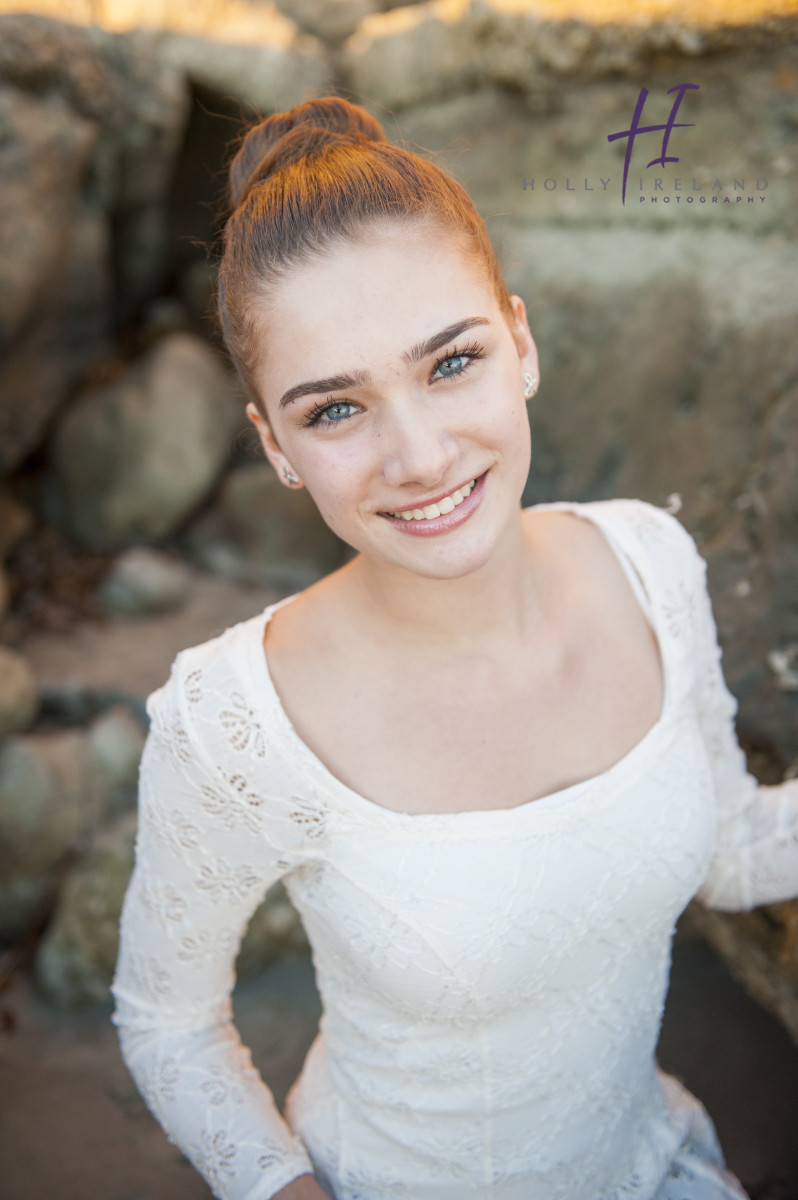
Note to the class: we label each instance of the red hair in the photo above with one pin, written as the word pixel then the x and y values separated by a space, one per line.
pixel 310 179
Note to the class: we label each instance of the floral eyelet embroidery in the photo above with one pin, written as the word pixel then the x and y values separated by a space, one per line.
pixel 245 732
pixel 193 686
pixel 311 816
pixel 215 1156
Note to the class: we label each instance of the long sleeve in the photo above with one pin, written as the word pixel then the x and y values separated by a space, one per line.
pixel 200 873
pixel 756 857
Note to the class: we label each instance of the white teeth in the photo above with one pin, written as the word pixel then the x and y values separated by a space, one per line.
pixel 430 511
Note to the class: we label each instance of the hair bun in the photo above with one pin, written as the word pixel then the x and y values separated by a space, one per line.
pixel 283 138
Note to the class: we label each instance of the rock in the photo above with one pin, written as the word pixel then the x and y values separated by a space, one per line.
pixel 144 581
pixel 18 698
pixel 331 21
pixel 116 740
pixel 761 950
pixel 273 74
pixel 49 800
pixel 260 532
pixel 76 959
pixel 426 52
pixel 90 131
pixel 56 791
pixel 133 458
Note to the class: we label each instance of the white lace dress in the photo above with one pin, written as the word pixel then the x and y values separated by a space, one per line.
pixel 492 981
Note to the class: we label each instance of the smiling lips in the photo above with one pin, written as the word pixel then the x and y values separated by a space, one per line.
pixel 444 514
pixel 439 509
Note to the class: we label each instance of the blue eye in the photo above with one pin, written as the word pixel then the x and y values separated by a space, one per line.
pixel 453 358
pixel 335 412
pixel 329 413
pixel 466 358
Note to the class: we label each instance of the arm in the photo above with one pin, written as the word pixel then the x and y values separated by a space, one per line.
pixel 756 858
pixel 200 873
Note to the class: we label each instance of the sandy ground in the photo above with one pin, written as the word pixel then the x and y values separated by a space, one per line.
pixel 73 1127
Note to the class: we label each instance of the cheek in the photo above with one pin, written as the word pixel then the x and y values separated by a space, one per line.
pixel 334 477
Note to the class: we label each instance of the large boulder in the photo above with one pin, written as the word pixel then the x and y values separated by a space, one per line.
pixel 134 457
pixel 56 790
pixel 76 959
pixel 91 128
pixel 271 73
pixel 143 581
pixel 259 531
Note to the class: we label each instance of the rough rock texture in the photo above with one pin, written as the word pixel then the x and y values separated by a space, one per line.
pixel 144 581
pixel 259 531
pixel 133 458
pixel 429 52
pixel 76 959
pixel 90 132
pixel 761 947
pixel 272 75
pixel 19 701
pixel 56 790
pixel 330 22
pixel 659 376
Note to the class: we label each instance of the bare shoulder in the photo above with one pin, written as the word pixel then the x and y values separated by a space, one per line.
pixel 577 550
pixel 306 629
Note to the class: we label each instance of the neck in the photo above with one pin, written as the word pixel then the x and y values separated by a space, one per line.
pixel 494 605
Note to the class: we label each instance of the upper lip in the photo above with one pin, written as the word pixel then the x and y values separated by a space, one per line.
pixel 432 499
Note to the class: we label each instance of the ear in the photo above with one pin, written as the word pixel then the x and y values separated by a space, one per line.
pixel 522 336
pixel 270 447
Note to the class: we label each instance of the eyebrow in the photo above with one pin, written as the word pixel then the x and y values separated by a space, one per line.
pixel 416 354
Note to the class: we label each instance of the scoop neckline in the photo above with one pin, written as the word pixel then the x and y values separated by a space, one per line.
pixel 263 684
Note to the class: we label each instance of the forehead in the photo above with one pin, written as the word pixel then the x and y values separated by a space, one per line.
pixel 370 298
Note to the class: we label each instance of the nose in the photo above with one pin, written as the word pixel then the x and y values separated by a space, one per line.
pixel 417 448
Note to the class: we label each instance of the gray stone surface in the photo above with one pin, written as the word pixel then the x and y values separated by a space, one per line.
pixel 280 70
pixel 116 740
pixel 144 581
pixel 331 21
pixel 49 801
pixel 19 701
pixel 56 792
pixel 76 958
pixel 90 133
pixel 133 458
pixel 661 375
pixel 259 531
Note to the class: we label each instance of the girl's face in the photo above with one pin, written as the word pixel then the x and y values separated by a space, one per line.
pixel 390 380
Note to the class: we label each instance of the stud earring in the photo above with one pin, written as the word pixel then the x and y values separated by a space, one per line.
pixel 289 475
pixel 531 385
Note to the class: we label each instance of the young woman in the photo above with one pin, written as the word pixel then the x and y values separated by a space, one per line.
pixel 492 757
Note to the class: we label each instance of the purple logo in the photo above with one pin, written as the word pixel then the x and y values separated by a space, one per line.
pixel 636 129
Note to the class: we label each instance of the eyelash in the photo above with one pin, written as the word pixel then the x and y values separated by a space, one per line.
pixel 472 352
